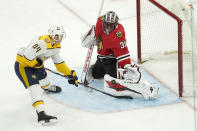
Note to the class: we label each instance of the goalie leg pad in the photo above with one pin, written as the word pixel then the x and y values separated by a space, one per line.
pixel 120 87
pixel 115 87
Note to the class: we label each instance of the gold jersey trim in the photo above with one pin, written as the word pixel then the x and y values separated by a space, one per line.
pixel 47 40
pixel 37 103
pixel 23 74
pixel 25 62
pixel 44 87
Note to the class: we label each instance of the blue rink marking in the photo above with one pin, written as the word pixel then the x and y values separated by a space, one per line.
pixel 81 98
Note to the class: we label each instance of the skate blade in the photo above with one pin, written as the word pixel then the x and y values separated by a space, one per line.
pixel 48 123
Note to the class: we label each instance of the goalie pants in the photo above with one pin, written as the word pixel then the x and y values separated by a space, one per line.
pixel 104 66
pixel 29 76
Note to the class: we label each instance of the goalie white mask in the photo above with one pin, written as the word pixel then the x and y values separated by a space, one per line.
pixel 57 33
pixel 110 21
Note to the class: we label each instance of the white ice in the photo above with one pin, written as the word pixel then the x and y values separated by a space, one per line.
pixel 21 20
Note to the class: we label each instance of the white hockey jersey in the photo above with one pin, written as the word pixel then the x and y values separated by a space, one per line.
pixel 42 48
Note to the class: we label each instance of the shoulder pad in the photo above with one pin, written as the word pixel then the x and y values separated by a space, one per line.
pixel 119 34
pixel 102 17
pixel 45 38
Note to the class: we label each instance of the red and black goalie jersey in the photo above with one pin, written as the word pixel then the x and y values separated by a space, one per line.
pixel 112 44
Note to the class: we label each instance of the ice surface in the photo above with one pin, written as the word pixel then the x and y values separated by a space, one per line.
pixel 94 101
pixel 21 20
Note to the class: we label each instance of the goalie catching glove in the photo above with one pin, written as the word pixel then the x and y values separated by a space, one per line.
pixel 72 78
pixel 130 73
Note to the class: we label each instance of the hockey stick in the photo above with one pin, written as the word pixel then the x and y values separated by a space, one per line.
pixel 92 88
pixel 86 65
pixel 89 55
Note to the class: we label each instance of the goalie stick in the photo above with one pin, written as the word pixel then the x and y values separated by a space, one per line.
pixel 89 55
pixel 86 65
pixel 92 88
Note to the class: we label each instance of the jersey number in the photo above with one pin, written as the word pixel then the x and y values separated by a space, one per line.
pixel 123 44
pixel 36 47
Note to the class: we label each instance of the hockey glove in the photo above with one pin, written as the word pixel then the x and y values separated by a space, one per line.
pixel 72 78
pixel 132 73
pixel 39 64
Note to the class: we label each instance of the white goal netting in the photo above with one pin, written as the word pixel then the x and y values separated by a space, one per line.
pixel 160 41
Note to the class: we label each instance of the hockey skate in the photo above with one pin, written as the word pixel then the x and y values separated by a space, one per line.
pixel 53 89
pixel 45 119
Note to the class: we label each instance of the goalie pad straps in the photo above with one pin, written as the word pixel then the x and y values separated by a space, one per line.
pixel 88 38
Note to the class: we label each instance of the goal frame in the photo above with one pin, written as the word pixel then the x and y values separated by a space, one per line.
pixel 180 40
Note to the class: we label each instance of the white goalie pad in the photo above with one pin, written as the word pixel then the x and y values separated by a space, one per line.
pixel 88 38
pixel 131 73
pixel 120 87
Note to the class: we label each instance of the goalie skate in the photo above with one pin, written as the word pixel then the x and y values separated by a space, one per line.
pixel 45 119
pixel 120 87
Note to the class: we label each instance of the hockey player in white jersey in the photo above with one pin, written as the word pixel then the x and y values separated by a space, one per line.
pixel 29 68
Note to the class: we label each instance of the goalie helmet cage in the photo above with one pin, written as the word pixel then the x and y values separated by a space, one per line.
pixel 154 17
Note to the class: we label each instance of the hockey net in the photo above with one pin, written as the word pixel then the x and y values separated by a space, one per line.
pixel 165 35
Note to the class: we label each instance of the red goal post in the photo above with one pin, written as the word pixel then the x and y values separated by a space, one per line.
pixel 143 35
